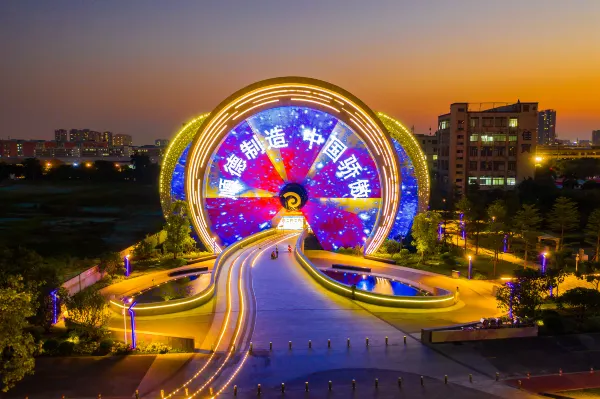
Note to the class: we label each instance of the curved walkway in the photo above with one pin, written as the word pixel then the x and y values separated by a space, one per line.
pixel 290 306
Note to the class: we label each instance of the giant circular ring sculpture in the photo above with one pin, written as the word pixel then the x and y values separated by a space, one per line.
pixel 297 148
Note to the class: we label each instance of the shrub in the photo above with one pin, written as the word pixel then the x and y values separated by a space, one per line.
pixel 105 346
pixel 86 348
pixel 448 259
pixel 154 347
pixel 50 346
pixel 65 348
pixel 392 246
pixel 36 332
pixel 554 324
pixel 121 348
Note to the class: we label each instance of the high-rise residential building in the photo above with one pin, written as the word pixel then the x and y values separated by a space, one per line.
pixel 547 127
pixel 429 145
pixel 106 137
pixel 596 137
pixel 490 144
pixel 17 148
pixel 61 135
pixel 161 142
pixel 122 139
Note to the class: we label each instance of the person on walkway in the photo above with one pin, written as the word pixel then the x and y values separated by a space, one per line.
pixel 276 252
pixel 289 248
pixel 273 256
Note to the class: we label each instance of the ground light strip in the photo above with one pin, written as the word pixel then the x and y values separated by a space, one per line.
pixel 240 319
pixel 237 370
pixel 223 329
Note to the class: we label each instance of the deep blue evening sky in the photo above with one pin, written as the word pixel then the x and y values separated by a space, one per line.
pixel 144 67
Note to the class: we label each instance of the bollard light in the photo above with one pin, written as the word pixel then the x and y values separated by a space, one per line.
pixel 290 345
pixel 348 342
pixel 282 387
pixel 471 378
pixel 162 394
pixel 520 384
pixel 329 343
pixel 591 370
pixel 422 381
pixel 270 346
pixel 386 341
pixel 137 394
pixel 309 344
pixel 234 390
pixel 187 391
pixel 258 389
pixel 306 386
pixel 528 375
pixel 497 376
pixel 330 385
pixel 376 383
pixel 559 371
pixel 353 384
pixel 405 340
pixel 445 379
pixel 399 382
pixel 251 347
pixel 367 341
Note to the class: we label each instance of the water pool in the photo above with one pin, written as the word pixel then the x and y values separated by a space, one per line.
pixel 374 283
pixel 180 287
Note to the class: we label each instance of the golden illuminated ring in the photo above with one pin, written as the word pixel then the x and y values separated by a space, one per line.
pixel 294 91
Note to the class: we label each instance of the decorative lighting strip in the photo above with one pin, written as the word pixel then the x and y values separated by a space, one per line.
pixel 171 156
pixel 297 91
pixel 413 149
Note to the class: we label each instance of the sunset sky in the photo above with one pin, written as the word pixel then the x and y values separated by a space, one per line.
pixel 145 67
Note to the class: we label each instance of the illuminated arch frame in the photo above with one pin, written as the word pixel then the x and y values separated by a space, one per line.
pixel 294 91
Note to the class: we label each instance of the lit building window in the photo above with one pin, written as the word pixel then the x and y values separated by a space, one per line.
pixel 498 181
pixel 472 180
pixel 444 124
pixel 512 138
pixel 485 181
pixel 513 122
pixel 500 137
pixel 511 181
pixel 435 157
pixel 485 138
pixel 474 137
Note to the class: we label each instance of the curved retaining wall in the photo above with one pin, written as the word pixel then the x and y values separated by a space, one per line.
pixel 180 305
pixel 422 302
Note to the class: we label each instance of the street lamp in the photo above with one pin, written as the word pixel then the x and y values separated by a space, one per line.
pixel 544 262
pixel 470 266
pixel 132 315
pixel 125 302
pixel 127 265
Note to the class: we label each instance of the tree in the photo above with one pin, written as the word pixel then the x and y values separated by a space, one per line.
pixel 110 263
pixel 143 249
pixel 425 232
pixel 525 294
pixel 497 216
pixel 89 311
pixel 563 217
pixel 526 221
pixel 33 168
pixel 16 345
pixel 592 231
pixel 582 299
pixel 590 271
pixel 177 228
pixel 559 262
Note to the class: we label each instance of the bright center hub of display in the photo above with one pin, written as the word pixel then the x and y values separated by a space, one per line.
pixel 293 196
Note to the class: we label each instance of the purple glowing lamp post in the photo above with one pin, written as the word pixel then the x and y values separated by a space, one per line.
pixel 505 243
pixel 463 231
pixel 126 303
pixel 440 231
pixel 470 266
pixel 54 295
pixel 544 262
pixel 364 246
pixel 132 315
pixel 510 304
pixel 127 265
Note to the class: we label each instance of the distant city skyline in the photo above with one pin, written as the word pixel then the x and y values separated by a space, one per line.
pixel 144 68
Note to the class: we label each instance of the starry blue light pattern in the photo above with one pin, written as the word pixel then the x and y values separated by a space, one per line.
pixel 178 179
pixel 409 199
